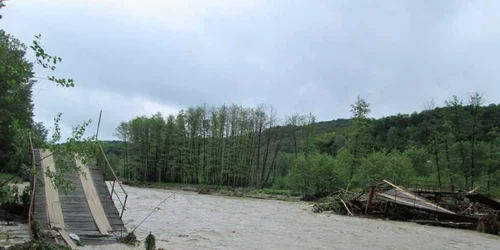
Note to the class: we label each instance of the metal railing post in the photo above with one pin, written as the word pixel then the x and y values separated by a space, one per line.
pixel 123 208
pixel 115 180
pixel 33 188
pixel 112 189
pixel 105 172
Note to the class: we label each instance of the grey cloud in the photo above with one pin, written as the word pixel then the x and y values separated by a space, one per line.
pixel 313 56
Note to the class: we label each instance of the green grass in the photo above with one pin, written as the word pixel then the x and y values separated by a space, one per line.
pixel 6 176
pixel 276 191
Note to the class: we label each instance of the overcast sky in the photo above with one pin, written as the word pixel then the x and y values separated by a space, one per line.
pixel 132 58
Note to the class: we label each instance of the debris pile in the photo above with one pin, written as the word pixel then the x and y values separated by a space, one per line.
pixel 38 245
pixel 130 239
pixel 465 210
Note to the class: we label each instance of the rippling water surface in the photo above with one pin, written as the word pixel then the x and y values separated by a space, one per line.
pixel 189 220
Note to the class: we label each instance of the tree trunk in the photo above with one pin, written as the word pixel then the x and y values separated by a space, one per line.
pixel 272 167
pixel 269 137
pixel 448 163
pixel 258 150
pixel 355 155
pixel 473 148
pixel 436 156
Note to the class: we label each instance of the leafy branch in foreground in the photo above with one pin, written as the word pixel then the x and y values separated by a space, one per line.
pixel 1 6
pixel 49 62
pixel 64 153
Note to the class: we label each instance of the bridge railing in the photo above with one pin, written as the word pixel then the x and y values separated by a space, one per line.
pixel 430 186
pixel 114 179
pixel 33 185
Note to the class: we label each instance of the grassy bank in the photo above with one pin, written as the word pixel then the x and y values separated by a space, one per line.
pixel 265 193
pixel 6 176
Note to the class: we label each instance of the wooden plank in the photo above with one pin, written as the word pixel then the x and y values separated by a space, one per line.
pixel 66 238
pixel 420 199
pixel 77 216
pixel 93 200
pixel 53 205
pixel 484 200
pixel 39 206
pixel 54 211
pixel 108 203
pixel 408 202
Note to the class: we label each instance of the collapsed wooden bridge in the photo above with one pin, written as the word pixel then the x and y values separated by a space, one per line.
pixel 87 211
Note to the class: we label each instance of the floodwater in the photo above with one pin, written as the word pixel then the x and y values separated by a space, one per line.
pixel 188 220
pixel 14 232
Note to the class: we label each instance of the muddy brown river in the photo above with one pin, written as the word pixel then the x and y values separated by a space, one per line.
pixel 188 220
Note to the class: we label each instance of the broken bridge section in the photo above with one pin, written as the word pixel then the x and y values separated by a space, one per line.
pixel 404 197
pixel 88 211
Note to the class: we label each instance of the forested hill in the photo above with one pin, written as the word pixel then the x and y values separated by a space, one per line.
pixel 455 145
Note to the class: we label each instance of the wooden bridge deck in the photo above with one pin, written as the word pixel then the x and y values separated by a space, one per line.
pixel 78 217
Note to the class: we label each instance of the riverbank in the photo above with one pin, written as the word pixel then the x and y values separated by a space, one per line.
pixel 265 193
pixel 13 231
pixel 7 177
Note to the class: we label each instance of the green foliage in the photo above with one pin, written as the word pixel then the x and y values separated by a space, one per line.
pixel 315 173
pixel 16 116
pixel 235 146
pixel 16 109
pixel 16 106
pixel 14 200
pixel 205 145
pixel 6 176
pixel 453 146
pixel 358 133
pixel 39 135
pixel 49 62
pixel 381 165
pixel 420 160
pixel 343 163
pixel 64 153
pixel 273 191
pixel 6 194
pixel 40 245
pixel 1 6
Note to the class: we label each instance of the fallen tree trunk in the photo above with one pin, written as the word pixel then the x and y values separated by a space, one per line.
pixel 461 225
pixel 348 211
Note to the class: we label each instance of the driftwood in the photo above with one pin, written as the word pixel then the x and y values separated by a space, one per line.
pixel 462 225
pixel 489 223
pixel 473 190
pixel 345 205
pixel 129 239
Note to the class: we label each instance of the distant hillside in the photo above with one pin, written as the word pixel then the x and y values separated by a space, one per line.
pixel 332 126
pixel 112 142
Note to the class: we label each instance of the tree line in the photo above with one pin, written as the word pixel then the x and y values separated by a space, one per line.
pixel 454 146
pixel 227 145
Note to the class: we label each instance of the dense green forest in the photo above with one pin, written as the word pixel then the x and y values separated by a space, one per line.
pixel 17 80
pixel 16 105
pixel 454 146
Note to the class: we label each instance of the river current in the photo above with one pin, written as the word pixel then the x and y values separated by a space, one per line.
pixel 188 220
